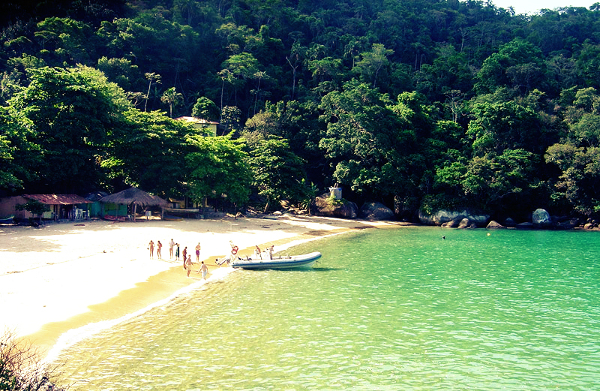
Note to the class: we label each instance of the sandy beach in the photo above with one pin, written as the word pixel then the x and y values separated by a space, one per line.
pixel 63 276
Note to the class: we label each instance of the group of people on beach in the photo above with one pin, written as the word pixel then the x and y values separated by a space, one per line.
pixel 174 252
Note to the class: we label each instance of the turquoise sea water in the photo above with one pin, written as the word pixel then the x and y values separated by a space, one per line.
pixel 392 309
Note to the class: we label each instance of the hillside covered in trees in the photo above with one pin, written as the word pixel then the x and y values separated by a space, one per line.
pixel 413 103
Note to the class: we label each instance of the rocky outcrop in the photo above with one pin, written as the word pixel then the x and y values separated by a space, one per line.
pixel 452 223
pixel 444 216
pixel 495 225
pixel 376 211
pixel 325 206
pixel 466 223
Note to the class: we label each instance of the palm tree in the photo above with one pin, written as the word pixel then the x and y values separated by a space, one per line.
pixel 171 97
pixel 152 77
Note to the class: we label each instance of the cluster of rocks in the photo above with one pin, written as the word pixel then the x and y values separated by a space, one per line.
pixel 324 206
pixel 454 219
pixel 540 219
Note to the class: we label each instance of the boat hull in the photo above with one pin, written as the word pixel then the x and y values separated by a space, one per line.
pixel 293 262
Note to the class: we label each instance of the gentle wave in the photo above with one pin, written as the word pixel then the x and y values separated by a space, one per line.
pixel 77 335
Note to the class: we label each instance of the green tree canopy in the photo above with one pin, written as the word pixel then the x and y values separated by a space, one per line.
pixel 218 168
pixel 277 171
pixel 577 155
pixel 206 109
pixel 148 151
pixel 72 113
pixel 367 142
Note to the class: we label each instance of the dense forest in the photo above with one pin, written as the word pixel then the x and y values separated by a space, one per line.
pixel 419 104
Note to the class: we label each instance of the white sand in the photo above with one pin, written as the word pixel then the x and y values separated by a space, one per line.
pixel 53 273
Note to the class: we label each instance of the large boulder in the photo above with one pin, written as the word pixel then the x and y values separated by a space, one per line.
pixel 443 216
pixel 376 211
pixel 541 218
pixel 495 225
pixel 467 223
pixel 452 223
pixel 325 206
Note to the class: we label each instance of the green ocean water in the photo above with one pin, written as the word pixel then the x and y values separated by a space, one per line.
pixel 390 309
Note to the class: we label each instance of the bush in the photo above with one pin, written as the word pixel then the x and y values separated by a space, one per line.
pixel 21 368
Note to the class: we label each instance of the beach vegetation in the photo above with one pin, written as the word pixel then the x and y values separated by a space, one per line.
pixel 21 367
pixel 334 201
pixel 310 192
pixel 392 100
pixel 34 207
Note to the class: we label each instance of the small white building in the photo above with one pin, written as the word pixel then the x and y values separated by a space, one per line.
pixel 209 127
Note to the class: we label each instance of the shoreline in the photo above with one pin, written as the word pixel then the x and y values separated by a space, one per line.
pixel 65 276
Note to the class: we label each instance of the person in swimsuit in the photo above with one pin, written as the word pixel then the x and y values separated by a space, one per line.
pixel 198 252
pixel 184 256
pixel 177 251
pixel 204 270
pixel 151 247
pixel 188 265
pixel 171 245
pixel 159 249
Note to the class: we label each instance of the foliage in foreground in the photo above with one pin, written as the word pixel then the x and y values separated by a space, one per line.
pixel 21 368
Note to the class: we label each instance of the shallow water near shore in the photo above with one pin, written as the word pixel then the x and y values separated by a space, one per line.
pixel 384 309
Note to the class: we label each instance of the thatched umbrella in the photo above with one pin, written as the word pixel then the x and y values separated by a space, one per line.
pixel 136 197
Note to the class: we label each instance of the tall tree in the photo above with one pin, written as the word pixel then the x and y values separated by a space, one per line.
pixel 171 97
pixel 217 168
pixel 149 151
pixel 577 155
pixel 365 142
pixel 277 171
pixel 206 109
pixel 73 112
pixel 373 61
pixel 152 78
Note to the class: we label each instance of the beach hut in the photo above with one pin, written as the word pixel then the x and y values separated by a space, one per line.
pixel 95 207
pixel 60 206
pixel 134 197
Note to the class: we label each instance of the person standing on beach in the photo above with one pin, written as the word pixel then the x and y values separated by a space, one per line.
pixel 184 256
pixel 204 270
pixel 159 249
pixel 171 245
pixel 198 252
pixel 151 247
pixel 177 251
pixel 188 264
